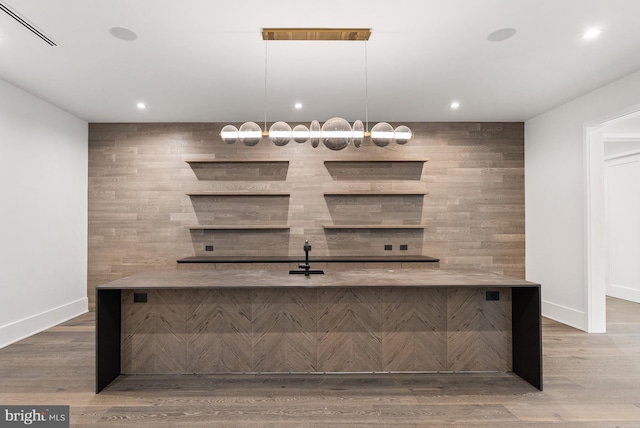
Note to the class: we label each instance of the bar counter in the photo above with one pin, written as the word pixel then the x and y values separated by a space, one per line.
pixel 375 321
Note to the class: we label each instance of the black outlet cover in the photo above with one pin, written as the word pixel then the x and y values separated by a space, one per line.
pixel 208 247
pixel 404 247
pixel 493 295
pixel 388 247
pixel 139 297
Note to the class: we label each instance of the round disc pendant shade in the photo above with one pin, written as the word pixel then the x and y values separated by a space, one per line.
pixel 382 134
pixel 280 133
pixel 229 134
pixel 314 133
pixel 358 133
pixel 250 133
pixel 300 134
pixel 336 133
pixel 402 134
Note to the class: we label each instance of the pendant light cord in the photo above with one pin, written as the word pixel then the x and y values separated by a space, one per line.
pixel 366 88
pixel 266 44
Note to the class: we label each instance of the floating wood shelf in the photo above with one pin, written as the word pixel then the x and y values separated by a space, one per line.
pixel 237 226
pixel 236 161
pixel 423 160
pixel 375 193
pixel 238 194
pixel 373 226
pixel 375 169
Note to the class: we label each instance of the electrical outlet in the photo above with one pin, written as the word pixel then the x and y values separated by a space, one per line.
pixel 139 297
pixel 404 247
pixel 493 295
pixel 388 247
pixel 208 247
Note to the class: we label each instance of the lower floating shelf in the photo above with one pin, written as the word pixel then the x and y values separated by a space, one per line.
pixel 237 227
pixel 373 226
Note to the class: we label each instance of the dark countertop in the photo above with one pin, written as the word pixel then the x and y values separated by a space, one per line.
pixel 251 278
pixel 312 259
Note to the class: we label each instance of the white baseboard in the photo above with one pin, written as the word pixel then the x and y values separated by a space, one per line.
pixel 564 315
pixel 24 328
pixel 624 293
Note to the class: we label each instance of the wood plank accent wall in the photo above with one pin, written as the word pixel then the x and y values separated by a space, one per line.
pixel 140 208
pixel 316 330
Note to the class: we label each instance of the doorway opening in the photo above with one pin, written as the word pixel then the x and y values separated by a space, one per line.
pixel 613 213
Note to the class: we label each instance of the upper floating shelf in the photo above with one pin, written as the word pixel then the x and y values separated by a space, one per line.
pixel 238 194
pixel 375 169
pixel 234 169
pixel 236 161
pixel 376 193
pixel 423 160
pixel 238 226
pixel 373 226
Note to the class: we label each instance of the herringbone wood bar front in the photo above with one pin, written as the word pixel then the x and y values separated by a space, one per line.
pixel 315 330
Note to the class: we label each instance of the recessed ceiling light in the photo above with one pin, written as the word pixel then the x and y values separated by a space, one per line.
pixel 141 106
pixel 455 105
pixel 592 33
pixel 501 34
pixel 122 33
pixel 298 106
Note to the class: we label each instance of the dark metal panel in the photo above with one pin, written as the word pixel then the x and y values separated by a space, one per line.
pixel 527 334
pixel 108 321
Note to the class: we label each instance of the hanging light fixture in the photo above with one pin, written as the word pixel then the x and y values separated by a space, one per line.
pixel 336 133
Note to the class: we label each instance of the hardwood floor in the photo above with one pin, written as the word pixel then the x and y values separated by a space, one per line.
pixel 590 380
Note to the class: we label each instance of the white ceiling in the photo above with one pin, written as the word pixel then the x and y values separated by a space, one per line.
pixel 204 60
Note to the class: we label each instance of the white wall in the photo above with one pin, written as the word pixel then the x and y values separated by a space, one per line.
pixel 622 184
pixel 43 215
pixel 558 194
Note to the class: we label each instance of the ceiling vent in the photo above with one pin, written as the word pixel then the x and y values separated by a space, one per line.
pixel 28 26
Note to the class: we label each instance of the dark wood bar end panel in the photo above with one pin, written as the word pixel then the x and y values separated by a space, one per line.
pixel 108 325
pixel 527 335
